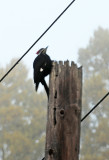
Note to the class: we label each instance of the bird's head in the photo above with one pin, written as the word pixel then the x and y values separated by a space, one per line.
pixel 42 50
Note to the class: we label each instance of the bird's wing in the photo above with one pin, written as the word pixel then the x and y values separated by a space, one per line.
pixel 38 68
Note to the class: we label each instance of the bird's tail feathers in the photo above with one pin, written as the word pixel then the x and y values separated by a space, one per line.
pixel 36 87
pixel 46 87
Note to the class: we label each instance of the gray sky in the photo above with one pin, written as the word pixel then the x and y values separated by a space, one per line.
pixel 23 21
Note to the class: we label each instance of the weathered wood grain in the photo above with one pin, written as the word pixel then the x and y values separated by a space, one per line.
pixel 64 112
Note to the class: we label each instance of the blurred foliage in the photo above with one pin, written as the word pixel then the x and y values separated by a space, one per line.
pixel 23 111
pixel 22 116
pixel 94 130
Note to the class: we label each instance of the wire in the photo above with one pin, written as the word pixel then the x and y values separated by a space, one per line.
pixel 34 45
pixel 94 107
pixel 37 40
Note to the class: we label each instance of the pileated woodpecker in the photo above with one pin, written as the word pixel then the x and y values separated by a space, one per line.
pixel 42 66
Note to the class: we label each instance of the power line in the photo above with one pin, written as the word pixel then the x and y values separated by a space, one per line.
pixel 94 107
pixel 37 41
pixel 34 45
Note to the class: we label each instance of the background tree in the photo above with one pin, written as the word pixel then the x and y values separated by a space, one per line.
pixel 22 116
pixel 95 61
pixel 23 111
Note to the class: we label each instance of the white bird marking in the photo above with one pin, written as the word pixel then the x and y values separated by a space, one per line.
pixel 41 69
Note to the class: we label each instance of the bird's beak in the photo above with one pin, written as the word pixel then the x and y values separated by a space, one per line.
pixel 46 48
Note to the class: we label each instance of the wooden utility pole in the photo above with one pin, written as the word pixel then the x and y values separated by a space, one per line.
pixel 64 112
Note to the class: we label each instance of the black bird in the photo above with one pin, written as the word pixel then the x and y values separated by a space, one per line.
pixel 42 66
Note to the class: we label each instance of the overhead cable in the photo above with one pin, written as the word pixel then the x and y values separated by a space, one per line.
pixel 36 41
